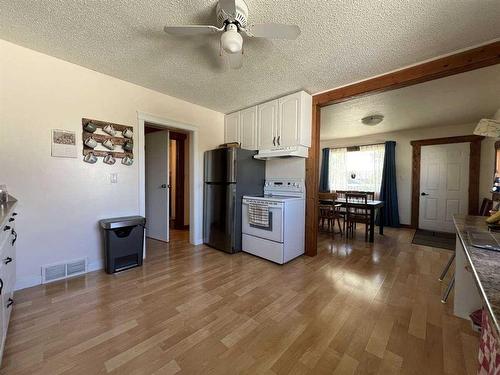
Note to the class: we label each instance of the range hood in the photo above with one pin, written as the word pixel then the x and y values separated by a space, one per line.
pixel 283 152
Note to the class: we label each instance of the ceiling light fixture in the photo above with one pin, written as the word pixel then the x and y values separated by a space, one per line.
pixel 489 127
pixel 372 120
pixel 231 40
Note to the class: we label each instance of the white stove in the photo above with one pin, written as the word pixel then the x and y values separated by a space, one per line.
pixel 273 225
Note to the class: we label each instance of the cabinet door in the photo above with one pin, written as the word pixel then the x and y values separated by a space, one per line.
pixel 248 128
pixel 289 120
pixel 267 125
pixel 232 128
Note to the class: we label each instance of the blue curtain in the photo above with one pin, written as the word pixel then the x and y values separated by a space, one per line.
pixel 325 163
pixel 388 189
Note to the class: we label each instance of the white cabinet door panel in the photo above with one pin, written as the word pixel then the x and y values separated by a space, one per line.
pixel 248 128
pixel 232 128
pixel 267 124
pixel 289 120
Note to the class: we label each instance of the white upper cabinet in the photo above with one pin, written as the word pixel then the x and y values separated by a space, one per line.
pixel 295 117
pixel 267 125
pixel 232 128
pixel 282 122
pixel 248 128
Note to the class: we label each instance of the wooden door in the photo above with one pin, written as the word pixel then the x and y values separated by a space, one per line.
pixel 444 185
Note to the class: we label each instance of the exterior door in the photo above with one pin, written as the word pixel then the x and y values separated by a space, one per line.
pixel 444 185
pixel 267 124
pixel 157 185
pixel 289 117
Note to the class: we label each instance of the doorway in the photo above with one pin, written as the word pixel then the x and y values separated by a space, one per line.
pixel 166 183
pixel 444 185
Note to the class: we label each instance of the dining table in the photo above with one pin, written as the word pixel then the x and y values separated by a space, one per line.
pixel 373 207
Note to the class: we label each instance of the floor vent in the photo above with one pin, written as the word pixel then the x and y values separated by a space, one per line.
pixel 61 271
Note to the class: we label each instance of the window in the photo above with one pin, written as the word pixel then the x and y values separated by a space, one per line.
pixel 359 169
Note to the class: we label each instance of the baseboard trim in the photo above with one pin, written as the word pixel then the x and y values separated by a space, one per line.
pixel 406 226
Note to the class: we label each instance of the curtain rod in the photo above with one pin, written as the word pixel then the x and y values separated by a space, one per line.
pixel 368 144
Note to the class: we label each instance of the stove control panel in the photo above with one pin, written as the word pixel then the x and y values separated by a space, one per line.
pixel 284 185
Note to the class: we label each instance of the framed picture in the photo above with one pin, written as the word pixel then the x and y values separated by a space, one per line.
pixel 63 143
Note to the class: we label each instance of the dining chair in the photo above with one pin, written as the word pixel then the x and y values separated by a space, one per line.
pixel 357 211
pixel 329 212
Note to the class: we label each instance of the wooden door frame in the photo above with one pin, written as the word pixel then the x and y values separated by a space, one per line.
pixel 475 58
pixel 180 158
pixel 474 171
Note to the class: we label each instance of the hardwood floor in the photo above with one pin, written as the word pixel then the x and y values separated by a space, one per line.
pixel 355 308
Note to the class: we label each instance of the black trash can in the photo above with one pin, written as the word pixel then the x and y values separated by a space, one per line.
pixel 123 242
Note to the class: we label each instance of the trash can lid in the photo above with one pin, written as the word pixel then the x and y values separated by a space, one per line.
pixel 121 222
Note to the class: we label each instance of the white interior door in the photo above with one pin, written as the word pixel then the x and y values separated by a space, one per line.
pixel 157 187
pixel 444 185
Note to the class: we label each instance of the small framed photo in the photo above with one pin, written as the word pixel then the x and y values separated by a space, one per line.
pixel 63 143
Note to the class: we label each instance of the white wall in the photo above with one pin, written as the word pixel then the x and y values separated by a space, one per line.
pixel 404 158
pixel 286 168
pixel 61 200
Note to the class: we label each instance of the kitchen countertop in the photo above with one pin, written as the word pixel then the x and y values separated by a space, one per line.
pixel 485 263
pixel 6 209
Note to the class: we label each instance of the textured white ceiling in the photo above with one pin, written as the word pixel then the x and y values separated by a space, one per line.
pixel 454 100
pixel 341 42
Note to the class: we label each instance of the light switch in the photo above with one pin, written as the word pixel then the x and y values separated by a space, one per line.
pixel 113 177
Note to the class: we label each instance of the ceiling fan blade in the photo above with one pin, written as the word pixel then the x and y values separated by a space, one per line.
pixel 228 6
pixel 235 60
pixel 191 30
pixel 274 31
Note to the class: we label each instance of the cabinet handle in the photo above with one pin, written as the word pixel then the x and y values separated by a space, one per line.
pixel 14 214
pixel 7 260
pixel 279 136
pixel 274 141
pixel 10 302
pixel 14 233
pixel 1 286
pixel 11 220
pixel 6 228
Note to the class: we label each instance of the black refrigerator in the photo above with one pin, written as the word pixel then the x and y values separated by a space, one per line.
pixel 230 173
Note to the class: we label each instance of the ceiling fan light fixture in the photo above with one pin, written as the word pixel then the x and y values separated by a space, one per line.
pixel 372 120
pixel 231 40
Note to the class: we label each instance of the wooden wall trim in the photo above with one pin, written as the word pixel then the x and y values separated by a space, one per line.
pixel 442 67
pixel 474 171
pixel 312 186
pixel 474 176
pixel 415 185
pixel 447 140
pixel 446 66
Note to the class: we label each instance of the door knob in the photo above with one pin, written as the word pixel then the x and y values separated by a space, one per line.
pixel 163 186
pixel 424 194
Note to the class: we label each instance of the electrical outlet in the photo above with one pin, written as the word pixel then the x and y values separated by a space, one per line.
pixel 113 178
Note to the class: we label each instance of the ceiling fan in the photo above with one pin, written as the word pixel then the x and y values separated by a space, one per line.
pixel 232 21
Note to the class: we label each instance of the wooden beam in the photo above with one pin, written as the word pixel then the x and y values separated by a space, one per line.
pixel 443 67
pixel 312 186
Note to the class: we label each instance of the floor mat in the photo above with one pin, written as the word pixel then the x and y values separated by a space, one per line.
pixel 434 239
